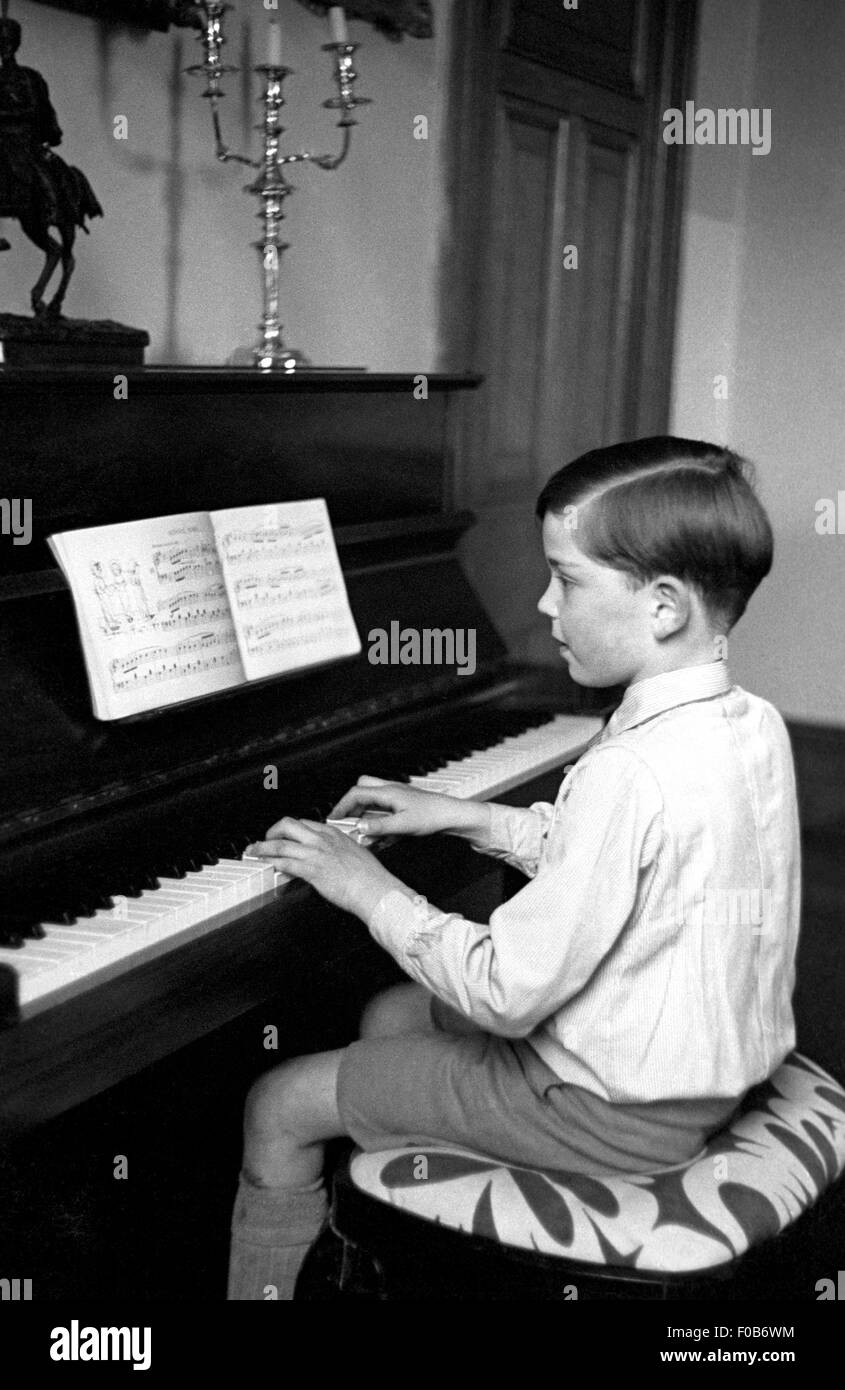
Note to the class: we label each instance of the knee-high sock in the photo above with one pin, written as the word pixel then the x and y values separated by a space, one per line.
pixel 272 1229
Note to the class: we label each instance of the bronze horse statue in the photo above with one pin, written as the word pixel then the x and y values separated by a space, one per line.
pixel 36 186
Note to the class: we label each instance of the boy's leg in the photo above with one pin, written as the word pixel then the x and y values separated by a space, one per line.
pixel 290 1112
pixel 281 1202
pixel 404 1009
pixel 396 1011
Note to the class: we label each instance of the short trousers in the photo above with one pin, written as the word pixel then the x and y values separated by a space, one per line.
pixel 496 1096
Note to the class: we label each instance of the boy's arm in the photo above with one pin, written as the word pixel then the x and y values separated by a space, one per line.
pixel 541 946
pixel 513 833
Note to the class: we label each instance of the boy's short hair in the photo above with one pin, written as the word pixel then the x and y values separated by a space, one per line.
pixel 670 506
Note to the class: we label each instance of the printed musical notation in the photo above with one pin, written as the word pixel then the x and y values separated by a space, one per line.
pixel 154 614
pixel 284 538
pixel 175 562
pixel 210 651
pixel 203 606
pixel 285 586
pixel 260 636
pixel 323 636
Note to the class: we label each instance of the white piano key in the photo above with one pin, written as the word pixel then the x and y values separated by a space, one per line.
pixel 22 962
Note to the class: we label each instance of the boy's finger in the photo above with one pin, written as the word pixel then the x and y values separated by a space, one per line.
pixel 274 849
pixel 290 829
pixel 359 798
pixel 376 823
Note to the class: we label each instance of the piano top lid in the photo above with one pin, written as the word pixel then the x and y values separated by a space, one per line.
pixel 163 380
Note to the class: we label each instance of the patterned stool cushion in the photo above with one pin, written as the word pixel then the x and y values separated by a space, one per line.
pixel 749 1182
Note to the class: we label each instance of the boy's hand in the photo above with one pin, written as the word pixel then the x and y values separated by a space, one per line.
pixel 402 810
pixel 341 871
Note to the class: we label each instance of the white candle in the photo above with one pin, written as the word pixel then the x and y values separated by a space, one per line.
pixel 337 24
pixel 274 45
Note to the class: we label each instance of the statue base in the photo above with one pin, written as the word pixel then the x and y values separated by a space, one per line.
pixel 45 342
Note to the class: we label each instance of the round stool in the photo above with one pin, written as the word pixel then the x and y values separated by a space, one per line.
pixel 441 1222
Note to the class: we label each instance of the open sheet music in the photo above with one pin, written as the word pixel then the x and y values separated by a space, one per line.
pixel 179 607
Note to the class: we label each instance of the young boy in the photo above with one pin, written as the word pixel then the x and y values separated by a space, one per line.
pixel 614 1012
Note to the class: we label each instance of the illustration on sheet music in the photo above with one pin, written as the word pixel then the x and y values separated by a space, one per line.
pixel 125 605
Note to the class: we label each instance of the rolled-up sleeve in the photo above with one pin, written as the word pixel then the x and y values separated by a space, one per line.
pixel 542 945
pixel 517 835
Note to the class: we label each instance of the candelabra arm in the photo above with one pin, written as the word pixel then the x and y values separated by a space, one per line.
pixel 213 69
pixel 334 161
pixel 221 150
pixel 323 161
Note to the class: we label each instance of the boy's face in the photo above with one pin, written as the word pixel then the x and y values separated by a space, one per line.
pixel 605 628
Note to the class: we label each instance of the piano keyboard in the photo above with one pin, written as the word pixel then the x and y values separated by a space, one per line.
pixel 57 961
pixel 491 771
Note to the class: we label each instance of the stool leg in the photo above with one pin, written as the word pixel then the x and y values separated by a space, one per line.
pixel 347 1264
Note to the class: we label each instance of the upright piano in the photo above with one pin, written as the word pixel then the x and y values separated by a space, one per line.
pixel 103 1042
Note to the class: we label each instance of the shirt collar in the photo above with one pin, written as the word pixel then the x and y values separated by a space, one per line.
pixel 656 694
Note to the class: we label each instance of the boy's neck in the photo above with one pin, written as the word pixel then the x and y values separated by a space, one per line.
pixel 668 664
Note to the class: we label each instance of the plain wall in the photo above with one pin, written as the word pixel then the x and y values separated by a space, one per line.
pixel 173 253
pixel 762 301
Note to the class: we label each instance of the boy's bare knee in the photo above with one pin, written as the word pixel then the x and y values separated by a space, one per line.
pixel 279 1099
pixel 396 1011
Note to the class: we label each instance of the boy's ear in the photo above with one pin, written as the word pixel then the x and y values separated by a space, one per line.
pixel 669 605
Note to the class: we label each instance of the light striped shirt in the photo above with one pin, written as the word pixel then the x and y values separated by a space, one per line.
pixel 652 954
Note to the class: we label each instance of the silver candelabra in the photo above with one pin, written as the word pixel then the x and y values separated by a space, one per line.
pixel 271 186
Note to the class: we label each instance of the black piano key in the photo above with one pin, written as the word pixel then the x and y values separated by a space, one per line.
pixel 232 847
pixel 8 996
pixel 84 905
pixel 16 927
pixel 78 896
pixel 98 898
pixel 225 849
pixel 173 868
pixel 391 771
pixel 145 878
